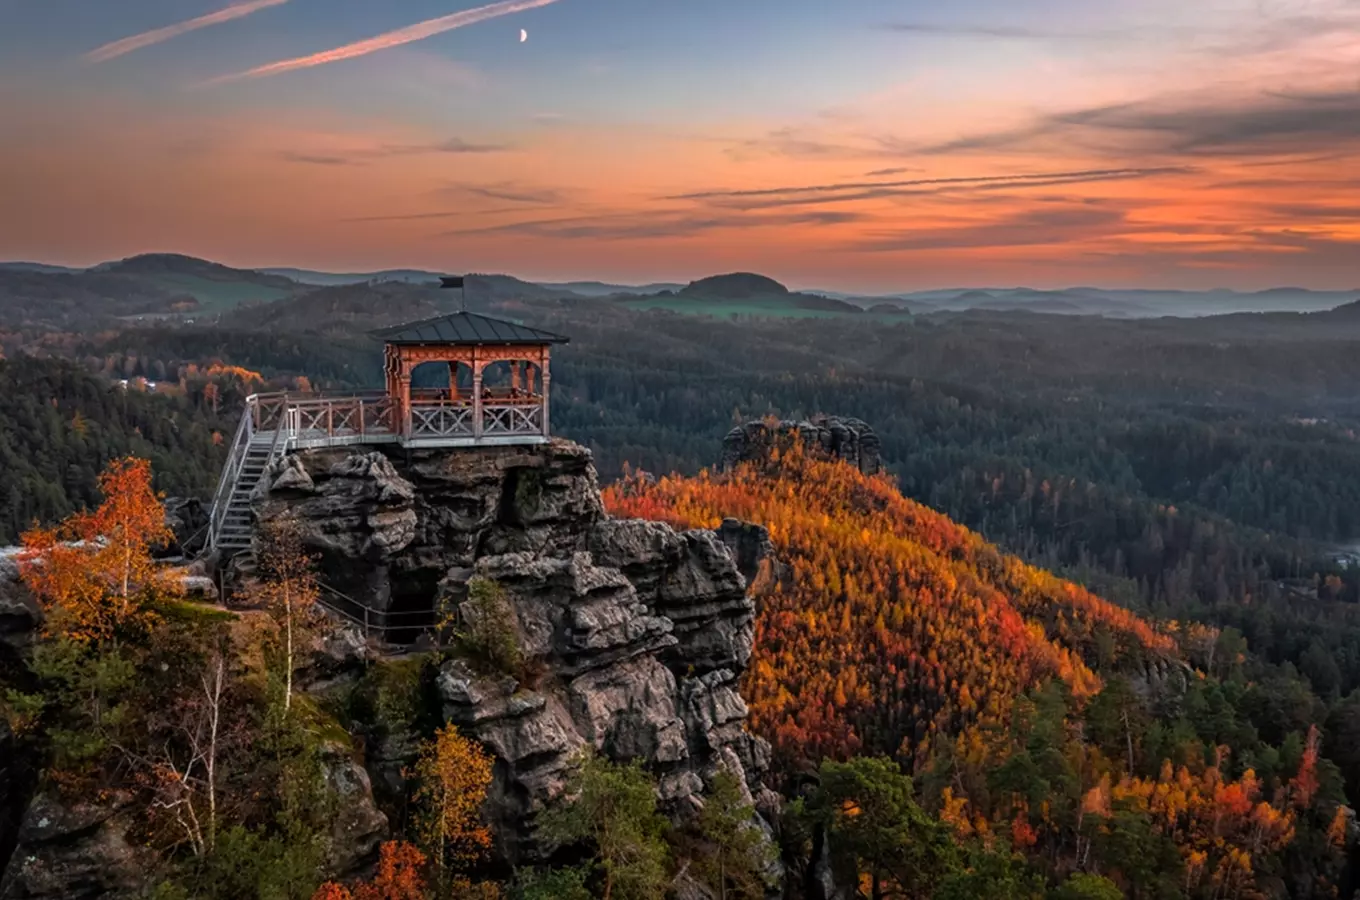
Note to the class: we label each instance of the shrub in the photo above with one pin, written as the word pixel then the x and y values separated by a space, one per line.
pixel 488 633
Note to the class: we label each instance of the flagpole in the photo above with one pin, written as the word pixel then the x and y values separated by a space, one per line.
pixel 456 281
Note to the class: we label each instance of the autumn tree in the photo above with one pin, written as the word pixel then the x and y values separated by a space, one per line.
pixel 613 809
pixel 94 572
pixel 288 588
pixel 452 775
pixel 398 877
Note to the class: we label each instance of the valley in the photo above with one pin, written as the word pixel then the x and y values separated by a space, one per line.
pixel 1082 521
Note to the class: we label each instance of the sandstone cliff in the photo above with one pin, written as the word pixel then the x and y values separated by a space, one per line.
pixel 851 440
pixel 636 635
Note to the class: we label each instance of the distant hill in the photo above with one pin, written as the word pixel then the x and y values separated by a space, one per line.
pixel 603 289
pixel 344 308
pixel 81 301
pixel 312 277
pixel 1127 303
pixel 736 286
pixel 42 268
pixel 216 287
pixel 741 294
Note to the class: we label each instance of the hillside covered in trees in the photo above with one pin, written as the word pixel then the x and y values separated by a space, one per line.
pixel 1033 715
pixel 60 425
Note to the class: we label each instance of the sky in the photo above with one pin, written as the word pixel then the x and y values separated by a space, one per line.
pixel 858 145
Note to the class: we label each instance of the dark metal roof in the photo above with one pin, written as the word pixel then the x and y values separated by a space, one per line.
pixel 466 328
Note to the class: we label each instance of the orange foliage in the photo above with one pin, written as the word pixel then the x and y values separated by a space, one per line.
pixel 896 624
pixel 91 571
pixel 399 877
pixel 452 775
pixel 1218 825
pixel 1305 784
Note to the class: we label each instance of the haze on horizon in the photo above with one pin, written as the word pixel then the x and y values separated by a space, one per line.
pixel 858 145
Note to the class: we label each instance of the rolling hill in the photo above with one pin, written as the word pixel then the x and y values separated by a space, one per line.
pixel 1032 714
pixel 933 631
pixel 215 287
pixel 741 294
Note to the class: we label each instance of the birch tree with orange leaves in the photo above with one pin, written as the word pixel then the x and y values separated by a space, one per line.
pixel 93 572
pixel 452 775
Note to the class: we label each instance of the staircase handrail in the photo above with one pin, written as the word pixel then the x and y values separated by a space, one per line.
pixel 240 444
pixel 366 614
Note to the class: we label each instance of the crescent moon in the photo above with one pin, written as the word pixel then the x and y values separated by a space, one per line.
pixel 523 35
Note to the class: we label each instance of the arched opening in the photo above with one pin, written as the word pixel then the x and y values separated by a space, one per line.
pixel 512 398
pixel 512 379
pixel 442 400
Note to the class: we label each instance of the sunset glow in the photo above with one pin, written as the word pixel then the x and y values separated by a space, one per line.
pixel 860 144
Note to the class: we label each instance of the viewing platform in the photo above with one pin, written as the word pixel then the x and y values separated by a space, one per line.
pixel 490 387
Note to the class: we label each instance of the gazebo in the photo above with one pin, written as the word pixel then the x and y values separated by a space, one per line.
pixel 490 388
pixel 469 407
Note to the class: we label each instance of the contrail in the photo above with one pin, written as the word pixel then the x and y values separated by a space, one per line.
pixel 147 38
pixel 407 35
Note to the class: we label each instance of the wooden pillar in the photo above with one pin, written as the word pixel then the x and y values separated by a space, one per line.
pixel 404 407
pixel 395 365
pixel 476 397
pixel 453 381
pixel 515 377
pixel 547 430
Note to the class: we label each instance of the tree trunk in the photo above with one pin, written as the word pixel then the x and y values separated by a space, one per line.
pixel 214 692
pixel 1128 737
pixel 288 661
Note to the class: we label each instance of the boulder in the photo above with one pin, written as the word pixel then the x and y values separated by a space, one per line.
pixel 359 825
pixel 77 849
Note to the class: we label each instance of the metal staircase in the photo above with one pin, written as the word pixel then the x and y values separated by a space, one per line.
pixel 252 452
pixel 234 528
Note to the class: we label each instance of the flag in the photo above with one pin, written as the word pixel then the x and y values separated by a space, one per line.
pixel 451 281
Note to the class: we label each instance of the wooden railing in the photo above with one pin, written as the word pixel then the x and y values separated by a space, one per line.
pixel 294 420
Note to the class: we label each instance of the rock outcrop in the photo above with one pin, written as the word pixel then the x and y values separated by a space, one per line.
pixel 633 635
pixel 20 615
pixel 78 849
pixel 187 519
pixel 20 620
pixel 851 440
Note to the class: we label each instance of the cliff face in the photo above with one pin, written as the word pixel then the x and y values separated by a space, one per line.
pixel 636 634
pixel 20 620
pixel 848 439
